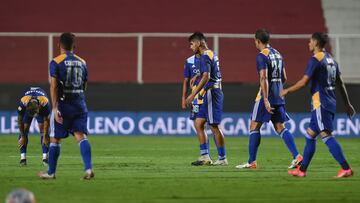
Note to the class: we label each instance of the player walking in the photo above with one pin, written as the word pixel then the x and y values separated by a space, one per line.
pixel 209 91
pixel 323 74
pixel 268 103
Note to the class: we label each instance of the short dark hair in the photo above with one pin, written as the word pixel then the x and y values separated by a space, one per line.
pixel 262 35
pixel 197 36
pixel 67 40
pixel 33 106
pixel 321 38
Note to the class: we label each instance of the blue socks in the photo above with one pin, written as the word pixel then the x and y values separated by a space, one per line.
pixel 24 147
pixel 204 149
pixel 45 149
pixel 54 153
pixel 336 151
pixel 85 150
pixel 254 142
pixel 309 151
pixel 221 151
pixel 289 141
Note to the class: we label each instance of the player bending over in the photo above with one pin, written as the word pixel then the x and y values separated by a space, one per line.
pixel 209 93
pixel 323 74
pixel 268 103
pixel 34 104
pixel 68 82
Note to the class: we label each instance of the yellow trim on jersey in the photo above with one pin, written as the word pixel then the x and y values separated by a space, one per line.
pixel 60 58
pixel 265 51
pixel 202 94
pixel 82 60
pixel 316 100
pixel 319 56
pixel 43 100
pixel 25 99
pixel 258 96
pixel 210 54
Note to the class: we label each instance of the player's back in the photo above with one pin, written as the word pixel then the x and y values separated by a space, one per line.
pixel 271 59
pixel 323 81
pixel 71 73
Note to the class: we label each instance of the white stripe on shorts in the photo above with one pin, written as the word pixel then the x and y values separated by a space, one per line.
pixel 319 119
pixel 52 125
pixel 255 110
pixel 210 109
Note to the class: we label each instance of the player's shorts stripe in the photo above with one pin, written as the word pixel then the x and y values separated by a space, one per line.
pixel 52 125
pixel 210 109
pixel 255 110
pixel 319 119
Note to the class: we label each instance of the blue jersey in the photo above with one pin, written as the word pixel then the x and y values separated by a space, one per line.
pixel 38 94
pixel 323 70
pixel 71 73
pixel 192 67
pixel 270 59
pixel 209 62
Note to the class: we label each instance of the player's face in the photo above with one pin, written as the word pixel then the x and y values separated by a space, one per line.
pixel 312 44
pixel 194 46
pixel 257 43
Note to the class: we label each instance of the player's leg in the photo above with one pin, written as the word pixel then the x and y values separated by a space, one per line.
pixel 214 107
pixel 57 132
pixel 204 158
pixel 310 146
pixel 258 116
pixel 80 131
pixel 23 149
pixel 200 130
pixel 45 148
pixel 332 144
pixel 278 119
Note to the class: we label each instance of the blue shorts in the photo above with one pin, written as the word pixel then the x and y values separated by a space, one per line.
pixel 194 111
pixel 28 119
pixel 71 124
pixel 261 115
pixel 321 120
pixel 212 107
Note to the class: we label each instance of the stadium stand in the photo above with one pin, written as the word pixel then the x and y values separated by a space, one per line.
pixel 114 59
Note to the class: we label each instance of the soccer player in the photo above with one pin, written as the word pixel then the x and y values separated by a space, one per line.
pixel 323 74
pixel 269 106
pixel 34 104
pixel 208 91
pixel 191 77
pixel 68 82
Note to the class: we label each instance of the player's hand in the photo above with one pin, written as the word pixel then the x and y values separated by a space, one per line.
pixel 183 103
pixel 268 106
pixel 57 116
pixel 22 141
pixel 350 111
pixel 190 99
pixel 284 92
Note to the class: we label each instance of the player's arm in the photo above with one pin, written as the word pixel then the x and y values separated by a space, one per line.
pixel 54 99
pixel 344 95
pixel 284 76
pixel 205 77
pixel 309 72
pixel 264 85
pixel 298 85
pixel 184 91
pixel 21 125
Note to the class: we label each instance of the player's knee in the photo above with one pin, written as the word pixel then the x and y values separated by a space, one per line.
pixel 255 126
pixel 311 133
pixel 55 140
pixel 279 127
pixel 325 133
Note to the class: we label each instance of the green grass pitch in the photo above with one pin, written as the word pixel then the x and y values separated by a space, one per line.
pixel 157 169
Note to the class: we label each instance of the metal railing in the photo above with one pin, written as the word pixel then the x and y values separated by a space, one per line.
pixel 335 43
